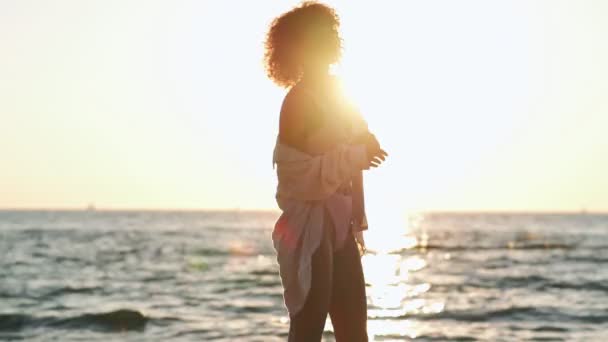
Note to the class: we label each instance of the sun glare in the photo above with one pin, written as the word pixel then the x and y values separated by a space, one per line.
pixel 461 94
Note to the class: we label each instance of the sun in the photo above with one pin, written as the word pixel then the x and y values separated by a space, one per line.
pixel 441 112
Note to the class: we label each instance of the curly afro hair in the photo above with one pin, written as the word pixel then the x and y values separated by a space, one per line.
pixel 308 32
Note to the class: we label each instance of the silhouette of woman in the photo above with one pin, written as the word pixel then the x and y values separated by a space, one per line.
pixel 322 147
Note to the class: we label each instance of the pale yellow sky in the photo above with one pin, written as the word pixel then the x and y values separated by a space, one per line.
pixel 483 105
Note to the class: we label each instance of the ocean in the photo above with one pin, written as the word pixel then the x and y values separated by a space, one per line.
pixel 212 276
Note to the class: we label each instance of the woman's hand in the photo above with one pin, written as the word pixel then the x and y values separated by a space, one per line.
pixel 375 154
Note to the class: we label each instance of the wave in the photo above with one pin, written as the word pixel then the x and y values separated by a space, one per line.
pixel 586 286
pixel 65 290
pixel 504 247
pixel 522 313
pixel 588 259
pixel 550 328
pixel 70 289
pixel 113 321
pixel 231 252
pixel 538 283
pixel 507 246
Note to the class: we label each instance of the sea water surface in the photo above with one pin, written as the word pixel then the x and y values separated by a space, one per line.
pixel 212 276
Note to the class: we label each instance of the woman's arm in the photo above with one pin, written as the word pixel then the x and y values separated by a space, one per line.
pixel 334 133
pixel 322 140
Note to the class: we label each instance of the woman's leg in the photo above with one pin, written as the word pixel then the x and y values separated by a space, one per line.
pixel 308 323
pixel 348 308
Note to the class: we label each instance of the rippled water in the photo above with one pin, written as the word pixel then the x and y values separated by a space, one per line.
pixel 199 276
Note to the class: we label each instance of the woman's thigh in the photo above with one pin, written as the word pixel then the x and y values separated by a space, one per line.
pixel 309 322
pixel 348 308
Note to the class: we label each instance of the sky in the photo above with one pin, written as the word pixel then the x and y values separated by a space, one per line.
pixel 482 105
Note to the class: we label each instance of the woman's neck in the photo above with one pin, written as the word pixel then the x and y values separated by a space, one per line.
pixel 316 75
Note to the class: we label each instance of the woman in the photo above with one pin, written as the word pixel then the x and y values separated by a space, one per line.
pixel 322 147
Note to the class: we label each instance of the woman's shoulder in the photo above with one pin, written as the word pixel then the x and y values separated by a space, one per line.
pixel 298 117
pixel 295 103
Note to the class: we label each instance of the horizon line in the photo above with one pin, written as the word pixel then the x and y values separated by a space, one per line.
pixel 248 209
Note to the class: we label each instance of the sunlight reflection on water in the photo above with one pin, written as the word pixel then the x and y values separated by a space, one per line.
pixel 392 293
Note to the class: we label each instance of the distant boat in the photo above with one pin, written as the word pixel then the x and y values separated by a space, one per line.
pixel 91 207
